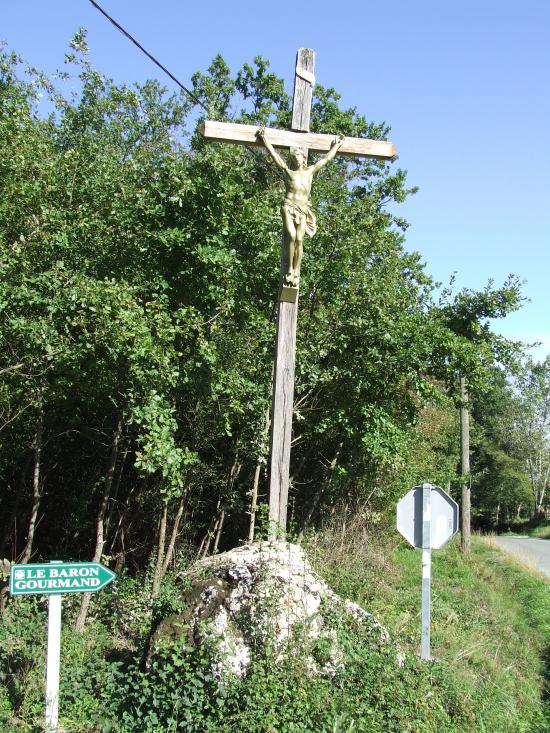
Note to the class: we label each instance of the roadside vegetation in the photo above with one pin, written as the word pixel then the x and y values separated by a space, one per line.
pixel 490 632
pixel 490 621
pixel 138 275
pixel 139 270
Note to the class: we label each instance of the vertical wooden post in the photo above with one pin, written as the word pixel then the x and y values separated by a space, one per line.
pixel 465 466
pixel 285 351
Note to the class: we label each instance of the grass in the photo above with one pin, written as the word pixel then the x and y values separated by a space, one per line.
pixel 528 528
pixel 542 532
pixel 490 620
pixel 490 643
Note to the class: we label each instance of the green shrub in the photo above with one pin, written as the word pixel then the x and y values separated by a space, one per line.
pixel 22 657
pixel 178 692
pixel 490 628
pixel 83 672
pixel 371 693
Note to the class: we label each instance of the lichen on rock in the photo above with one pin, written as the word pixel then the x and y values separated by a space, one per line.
pixel 261 596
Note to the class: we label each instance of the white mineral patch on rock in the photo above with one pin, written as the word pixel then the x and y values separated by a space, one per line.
pixel 260 594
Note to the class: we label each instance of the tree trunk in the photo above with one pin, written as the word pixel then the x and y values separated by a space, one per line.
pixel 254 499
pixel 214 530
pixel 262 461
pixel 325 486
pixel 18 495
pixel 532 480
pixel 160 549
pixel 542 493
pixel 114 499
pixel 219 532
pixel 36 488
pixel 121 528
pixel 174 535
pixel 207 539
pixel 465 467
pixel 99 542
pixel 223 503
pixel 164 558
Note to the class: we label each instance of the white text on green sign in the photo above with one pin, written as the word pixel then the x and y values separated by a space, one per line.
pixel 77 577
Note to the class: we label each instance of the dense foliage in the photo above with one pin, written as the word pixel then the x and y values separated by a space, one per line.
pixel 139 270
pixel 512 446
pixel 489 674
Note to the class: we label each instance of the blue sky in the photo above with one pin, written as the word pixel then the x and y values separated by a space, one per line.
pixel 464 86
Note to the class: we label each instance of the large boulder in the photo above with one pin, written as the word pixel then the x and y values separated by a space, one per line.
pixel 259 596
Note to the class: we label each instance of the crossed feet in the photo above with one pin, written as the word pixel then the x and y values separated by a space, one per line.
pixel 291 279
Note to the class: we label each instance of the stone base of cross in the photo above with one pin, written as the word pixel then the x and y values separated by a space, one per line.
pixel 285 350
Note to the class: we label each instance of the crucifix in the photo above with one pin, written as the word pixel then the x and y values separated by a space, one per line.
pixel 298 220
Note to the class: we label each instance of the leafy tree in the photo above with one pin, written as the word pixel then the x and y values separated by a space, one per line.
pixel 500 482
pixel 139 267
pixel 477 348
pixel 533 428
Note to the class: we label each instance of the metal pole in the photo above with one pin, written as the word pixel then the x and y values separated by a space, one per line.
pixel 52 662
pixel 426 569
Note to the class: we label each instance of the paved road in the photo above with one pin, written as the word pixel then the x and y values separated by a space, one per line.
pixel 530 549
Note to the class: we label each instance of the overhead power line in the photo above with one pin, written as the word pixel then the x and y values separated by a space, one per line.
pixel 195 99
pixel 143 50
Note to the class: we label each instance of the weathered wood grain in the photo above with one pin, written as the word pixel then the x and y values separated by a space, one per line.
pixel 303 89
pixel 231 132
pixel 287 316
pixel 281 418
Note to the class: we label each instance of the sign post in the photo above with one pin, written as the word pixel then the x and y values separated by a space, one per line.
pixel 53 658
pixel 426 570
pixel 427 517
pixel 55 579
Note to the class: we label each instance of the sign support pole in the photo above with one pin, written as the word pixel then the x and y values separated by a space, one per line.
pixel 52 662
pixel 427 518
pixel 55 579
pixel 426 569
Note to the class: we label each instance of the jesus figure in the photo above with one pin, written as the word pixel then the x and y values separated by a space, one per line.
pixel 298 218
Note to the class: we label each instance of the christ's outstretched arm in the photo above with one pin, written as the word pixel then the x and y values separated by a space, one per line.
pixel 270 149
pixel 334 148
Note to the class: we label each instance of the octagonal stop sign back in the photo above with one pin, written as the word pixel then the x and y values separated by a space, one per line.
pixel 443 520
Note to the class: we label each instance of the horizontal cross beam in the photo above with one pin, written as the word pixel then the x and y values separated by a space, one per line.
pixel 230 132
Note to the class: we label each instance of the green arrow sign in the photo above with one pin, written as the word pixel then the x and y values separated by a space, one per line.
pixel 59 577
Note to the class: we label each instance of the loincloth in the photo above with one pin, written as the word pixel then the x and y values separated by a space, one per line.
pixel 300 211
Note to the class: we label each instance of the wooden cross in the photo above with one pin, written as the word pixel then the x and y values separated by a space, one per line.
pixel 285 351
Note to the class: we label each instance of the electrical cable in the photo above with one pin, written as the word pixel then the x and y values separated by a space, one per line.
pixel 195 99
pixel 153 59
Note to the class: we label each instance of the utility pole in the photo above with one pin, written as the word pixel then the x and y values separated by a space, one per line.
pixel 465 466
